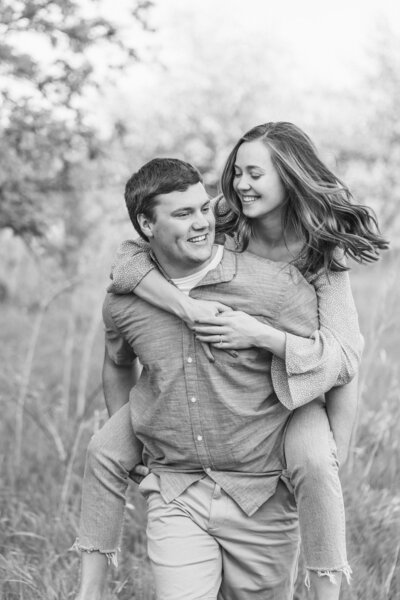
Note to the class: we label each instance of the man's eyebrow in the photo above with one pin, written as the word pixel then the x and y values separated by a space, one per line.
pixel 189 208
pixel 182 208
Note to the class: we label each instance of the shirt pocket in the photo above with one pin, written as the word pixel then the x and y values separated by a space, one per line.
pixel 246 381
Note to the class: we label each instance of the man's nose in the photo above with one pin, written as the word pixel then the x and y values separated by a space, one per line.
pixel 201 221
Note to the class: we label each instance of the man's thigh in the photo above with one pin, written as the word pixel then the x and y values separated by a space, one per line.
pixel 185 557
pixel 260 553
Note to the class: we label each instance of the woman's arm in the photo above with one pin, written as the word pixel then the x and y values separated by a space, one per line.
pixel 331 356
pixel 134 271
pixel 302 368
pixel 237 329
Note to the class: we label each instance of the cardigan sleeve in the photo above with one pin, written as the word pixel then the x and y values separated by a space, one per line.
pixel 132 262
pixel 331 355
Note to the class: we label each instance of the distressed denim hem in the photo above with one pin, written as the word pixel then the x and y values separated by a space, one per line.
pixel 330 573
pixel 112 555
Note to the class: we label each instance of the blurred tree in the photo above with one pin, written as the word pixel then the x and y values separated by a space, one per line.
pixel 370 156
pixel 50 54
pixel 207 89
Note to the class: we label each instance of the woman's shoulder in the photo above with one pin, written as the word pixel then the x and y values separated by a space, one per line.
pixel 220 206
pixel 325 272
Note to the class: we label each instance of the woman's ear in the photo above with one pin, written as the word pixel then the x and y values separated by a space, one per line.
pixel 146 225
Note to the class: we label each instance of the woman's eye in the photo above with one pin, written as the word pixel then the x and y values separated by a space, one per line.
pixel 255 176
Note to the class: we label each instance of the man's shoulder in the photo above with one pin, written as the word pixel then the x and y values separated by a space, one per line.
pixel 116 304
pixel 112 300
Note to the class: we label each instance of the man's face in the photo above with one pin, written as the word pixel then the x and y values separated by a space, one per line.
pixel 182 232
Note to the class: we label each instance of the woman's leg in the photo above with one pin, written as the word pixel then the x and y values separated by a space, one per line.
pixel 112 453
pixel 313 472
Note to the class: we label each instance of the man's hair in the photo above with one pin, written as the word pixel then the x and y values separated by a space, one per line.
pixel 159 176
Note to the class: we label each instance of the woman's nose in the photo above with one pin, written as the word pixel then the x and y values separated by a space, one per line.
pixel 243 183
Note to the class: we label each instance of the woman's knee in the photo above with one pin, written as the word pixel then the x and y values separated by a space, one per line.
pixel 114 446
pixel 99 451
pixel 310 448
pixel 316 463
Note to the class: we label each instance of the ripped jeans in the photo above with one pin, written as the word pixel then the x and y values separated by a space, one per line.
pixel 311 473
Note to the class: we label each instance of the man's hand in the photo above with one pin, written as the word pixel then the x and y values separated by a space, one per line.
pixel 138 473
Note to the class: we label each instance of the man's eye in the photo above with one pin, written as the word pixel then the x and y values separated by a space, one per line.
pixel 206 209
pixel 182 214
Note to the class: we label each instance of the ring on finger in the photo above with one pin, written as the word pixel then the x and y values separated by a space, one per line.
pixel 220 341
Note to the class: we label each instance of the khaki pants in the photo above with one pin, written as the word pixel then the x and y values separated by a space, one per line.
pixel 203 546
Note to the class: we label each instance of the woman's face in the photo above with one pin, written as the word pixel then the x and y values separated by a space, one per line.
pixel 256 181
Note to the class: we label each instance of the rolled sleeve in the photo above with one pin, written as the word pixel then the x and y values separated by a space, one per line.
pixel 119 351
pixel 331 355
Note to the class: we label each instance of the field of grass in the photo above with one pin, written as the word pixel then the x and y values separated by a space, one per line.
pixel 51 402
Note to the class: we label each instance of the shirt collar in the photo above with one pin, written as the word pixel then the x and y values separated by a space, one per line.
pixel 224 271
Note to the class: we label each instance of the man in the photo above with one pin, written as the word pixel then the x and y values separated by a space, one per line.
pixel 220 522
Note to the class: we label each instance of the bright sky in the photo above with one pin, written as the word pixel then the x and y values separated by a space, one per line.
pixel 326 39
pixel 324 42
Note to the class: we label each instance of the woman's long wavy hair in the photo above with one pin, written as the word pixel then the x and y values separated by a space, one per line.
pixel 319 208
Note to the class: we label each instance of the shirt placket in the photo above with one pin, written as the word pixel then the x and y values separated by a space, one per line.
pixel 194 401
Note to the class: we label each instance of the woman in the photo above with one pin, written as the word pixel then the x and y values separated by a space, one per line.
pixel 282 203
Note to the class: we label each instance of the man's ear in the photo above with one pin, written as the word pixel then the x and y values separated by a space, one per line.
pixel 146 225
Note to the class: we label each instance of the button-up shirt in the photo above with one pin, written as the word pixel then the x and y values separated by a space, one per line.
pixel 222 419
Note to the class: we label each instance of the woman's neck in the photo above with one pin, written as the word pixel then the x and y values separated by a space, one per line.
pixel 270 241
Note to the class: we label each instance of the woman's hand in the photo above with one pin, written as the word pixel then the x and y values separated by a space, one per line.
pixel 201 311
pixel 233 329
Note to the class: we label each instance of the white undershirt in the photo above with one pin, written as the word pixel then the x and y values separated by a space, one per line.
pixel 185 284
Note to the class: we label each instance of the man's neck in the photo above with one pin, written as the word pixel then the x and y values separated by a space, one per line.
pixel 176 271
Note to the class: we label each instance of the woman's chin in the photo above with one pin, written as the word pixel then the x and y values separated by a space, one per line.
pixel 250 211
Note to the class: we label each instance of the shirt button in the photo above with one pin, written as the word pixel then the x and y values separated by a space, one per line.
pixel 190 359
pixel 193 399
pixel 199 438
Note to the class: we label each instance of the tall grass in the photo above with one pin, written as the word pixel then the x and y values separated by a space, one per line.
pixel 51 402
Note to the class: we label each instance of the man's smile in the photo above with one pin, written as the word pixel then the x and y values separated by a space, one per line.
pixel 198 239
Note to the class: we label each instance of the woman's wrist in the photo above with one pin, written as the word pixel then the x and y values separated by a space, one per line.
pixel 271 339
pixel 184 308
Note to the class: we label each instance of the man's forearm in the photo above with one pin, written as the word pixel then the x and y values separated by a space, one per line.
pixel 341 407
pixel 117 383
